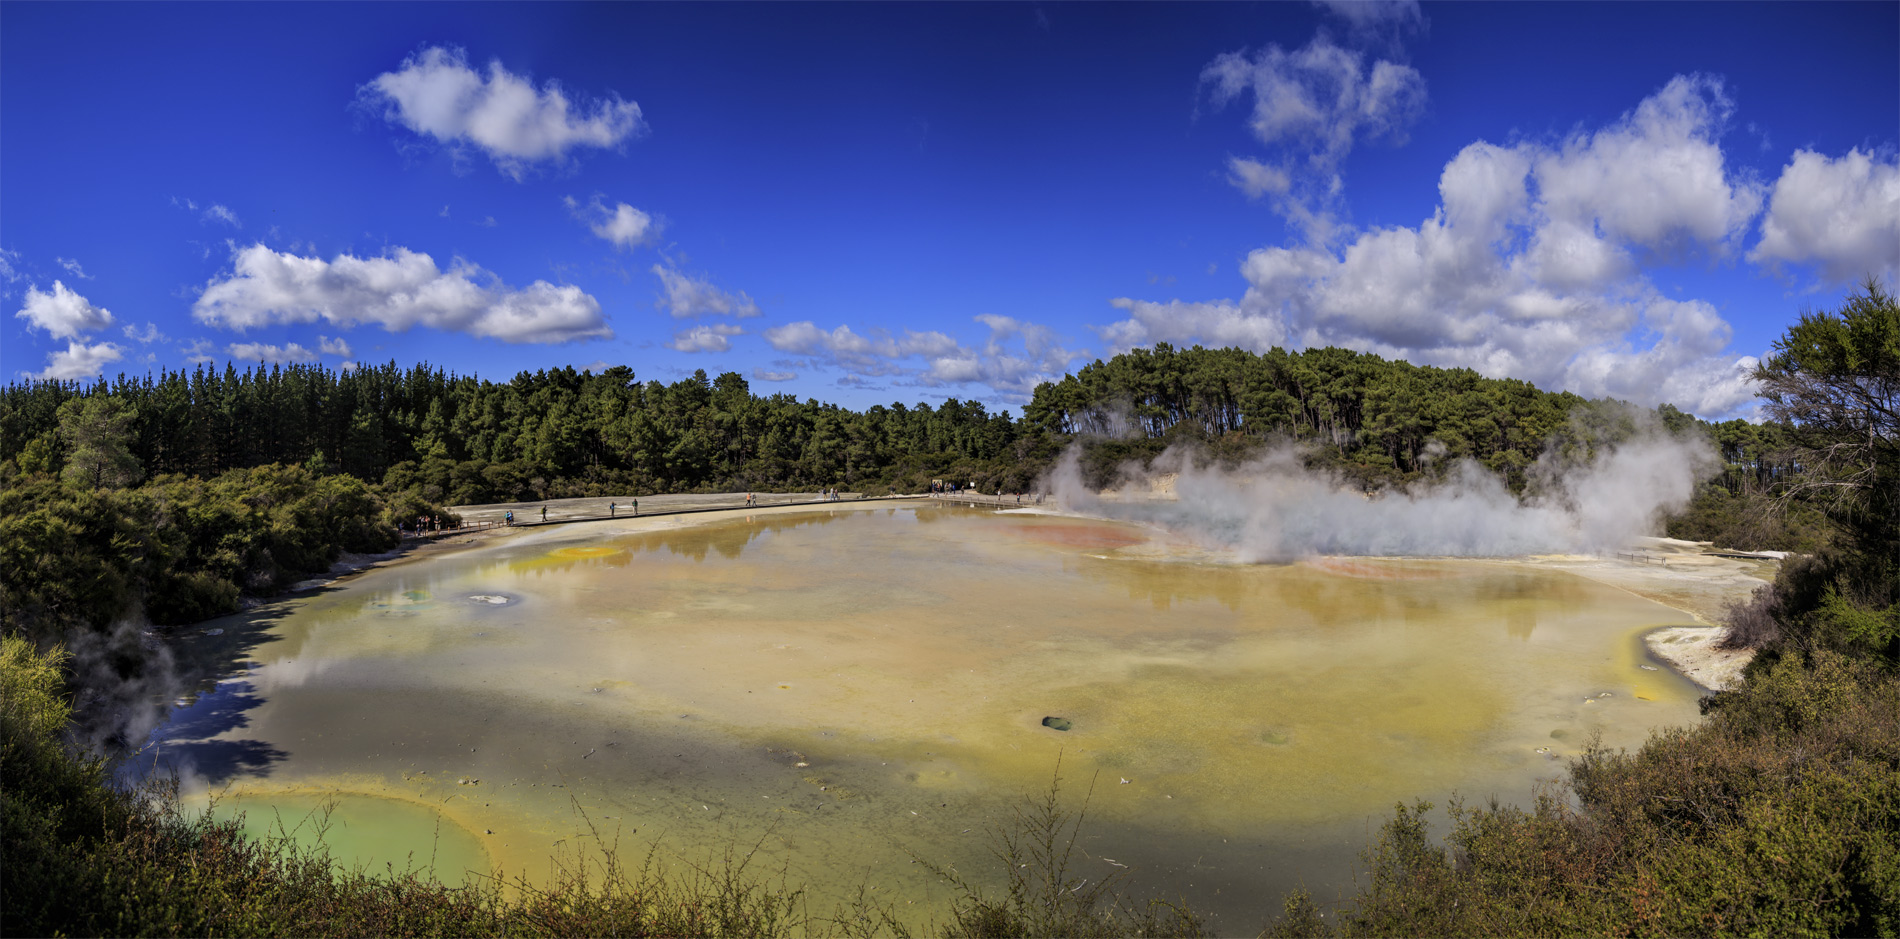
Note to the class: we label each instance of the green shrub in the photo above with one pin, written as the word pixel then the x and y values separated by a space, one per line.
pixel 1778 815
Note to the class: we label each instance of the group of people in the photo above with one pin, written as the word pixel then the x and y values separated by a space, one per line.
pixel 940 488
pixel 430 523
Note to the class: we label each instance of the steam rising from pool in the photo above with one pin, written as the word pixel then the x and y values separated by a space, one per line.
pixel 1274 508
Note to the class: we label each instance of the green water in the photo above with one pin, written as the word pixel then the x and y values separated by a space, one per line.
pixel 856 686
pixel 381 835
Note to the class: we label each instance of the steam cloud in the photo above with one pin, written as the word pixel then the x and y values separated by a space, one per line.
pixel 125 680
pixel 1274 509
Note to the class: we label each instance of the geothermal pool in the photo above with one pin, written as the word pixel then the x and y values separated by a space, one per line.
pixel 851 687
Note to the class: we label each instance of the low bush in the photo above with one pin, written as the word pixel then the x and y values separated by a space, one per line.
pixel 1778 815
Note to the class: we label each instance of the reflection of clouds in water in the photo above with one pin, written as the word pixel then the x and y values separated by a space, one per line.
pixel 728 538
pixel 193 743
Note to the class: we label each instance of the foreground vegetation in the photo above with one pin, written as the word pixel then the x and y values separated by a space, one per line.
pixel 1778 814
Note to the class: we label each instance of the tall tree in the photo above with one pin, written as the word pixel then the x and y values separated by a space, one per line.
pixel 98 433
pixel 1834 379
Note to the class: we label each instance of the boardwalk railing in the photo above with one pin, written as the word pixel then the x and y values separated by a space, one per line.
pixel 1642 558
pixel 464 528
pixel 532 519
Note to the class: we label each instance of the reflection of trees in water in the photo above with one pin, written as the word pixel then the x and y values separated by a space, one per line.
pixel 729 538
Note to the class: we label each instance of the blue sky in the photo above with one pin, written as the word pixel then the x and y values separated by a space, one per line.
pixel 866 203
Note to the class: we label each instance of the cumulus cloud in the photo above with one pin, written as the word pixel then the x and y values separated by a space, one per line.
pixel 623 225
pixel 80 361
pixel 398 292
pixel 1219 323
pixel 1311 106
pixel 759 374
pixel 1841 215
pixel 872 354
pixel 437 94
pixel 1014 358
pixel 336 346
pixel 1655 177
pixel 696 296
pixel 271 354
pixel 713 338
pixel 1529 267
pixel 62 313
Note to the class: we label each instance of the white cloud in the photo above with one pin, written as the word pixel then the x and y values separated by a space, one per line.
pixel 1372 14
pixel 211 213
pixel 346 366
pixel 198 351
pixel 1012 361
pixel 1015 372
pixel 1312 106
pixel 62 313
pixel 623 225
pixel 760 374
pixel 1842 215
pixel 1256 178
pixel 436 93
pixel 397 292
pixel 868 355
pixel 1529 268
pixel 696 296
pixel 264 352
pixel 1655 177
pixel 711 338
pixel 147 336
pixel 1217 324
pixel 336 346
pixel 80 361
pixel 72 267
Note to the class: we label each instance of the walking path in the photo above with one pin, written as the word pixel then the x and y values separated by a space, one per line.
pixel 603 508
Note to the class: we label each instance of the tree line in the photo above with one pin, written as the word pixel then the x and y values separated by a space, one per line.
pixel 543 434
pixel 558 432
